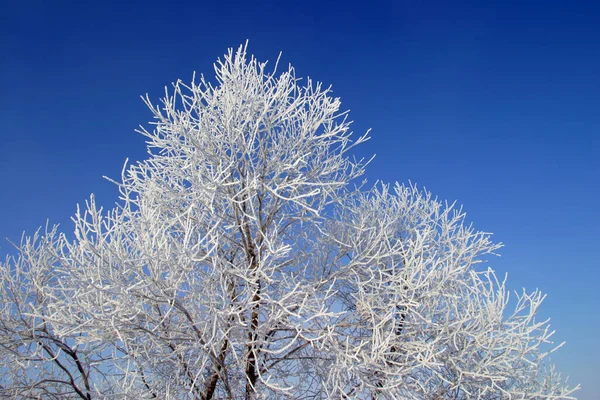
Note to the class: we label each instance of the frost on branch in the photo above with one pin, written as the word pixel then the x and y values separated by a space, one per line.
pixel 241 262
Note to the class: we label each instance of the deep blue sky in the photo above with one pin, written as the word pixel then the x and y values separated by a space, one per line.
pixel 493 105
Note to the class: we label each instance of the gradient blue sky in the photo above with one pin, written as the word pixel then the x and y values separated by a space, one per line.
pixel 495 105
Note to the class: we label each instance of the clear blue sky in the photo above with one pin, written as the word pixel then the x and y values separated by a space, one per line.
pixel 493 105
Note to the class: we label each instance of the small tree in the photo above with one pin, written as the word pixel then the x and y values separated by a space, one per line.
pixel 242 262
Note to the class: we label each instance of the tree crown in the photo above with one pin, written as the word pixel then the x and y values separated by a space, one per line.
pixel 243 262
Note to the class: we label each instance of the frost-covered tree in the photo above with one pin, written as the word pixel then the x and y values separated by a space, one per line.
pixel 243 261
